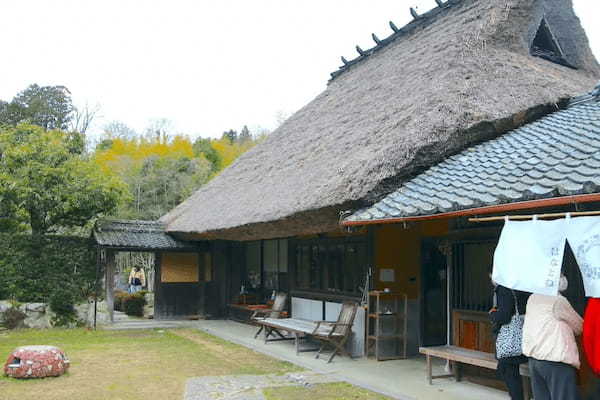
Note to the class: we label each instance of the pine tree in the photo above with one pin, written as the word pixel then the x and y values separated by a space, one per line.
pixel 245 135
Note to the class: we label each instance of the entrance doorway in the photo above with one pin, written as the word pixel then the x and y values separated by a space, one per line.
pixel 434 295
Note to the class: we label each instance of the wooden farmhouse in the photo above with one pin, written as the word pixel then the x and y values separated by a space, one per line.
pixel 473 108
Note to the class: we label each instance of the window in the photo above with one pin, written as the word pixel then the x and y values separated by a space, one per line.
pixel 546 46
pixel 270 265
pixel 266 267
pixel 253 266
pixel 331 265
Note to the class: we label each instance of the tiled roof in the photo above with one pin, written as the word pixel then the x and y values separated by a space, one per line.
pixel 559 155
pixel 143 235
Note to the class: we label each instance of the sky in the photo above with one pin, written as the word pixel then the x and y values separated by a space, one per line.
pixel 205 65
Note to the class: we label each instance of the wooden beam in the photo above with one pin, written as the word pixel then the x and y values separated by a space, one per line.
pixel 109 283
pixel 534 216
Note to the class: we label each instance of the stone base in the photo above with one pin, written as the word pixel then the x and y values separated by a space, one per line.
pixel 39 315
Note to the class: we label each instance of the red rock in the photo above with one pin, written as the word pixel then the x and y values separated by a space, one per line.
pixel 36 362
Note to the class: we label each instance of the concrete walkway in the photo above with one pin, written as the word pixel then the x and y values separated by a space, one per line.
pixel 399 379
pixel 125 322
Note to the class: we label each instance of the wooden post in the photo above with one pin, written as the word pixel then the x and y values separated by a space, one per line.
pixel 456 370
pixel 109 283
pixel 159 311
pixel 429 370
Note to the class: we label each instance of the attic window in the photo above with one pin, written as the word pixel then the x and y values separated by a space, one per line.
pixel 546 46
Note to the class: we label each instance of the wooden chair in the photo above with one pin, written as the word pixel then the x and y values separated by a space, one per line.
pixel 274 312
pixel 336 334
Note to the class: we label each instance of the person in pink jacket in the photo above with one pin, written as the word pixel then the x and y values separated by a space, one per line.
pixel 551 325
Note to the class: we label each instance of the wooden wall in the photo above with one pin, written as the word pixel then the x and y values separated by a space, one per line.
pixel 181 288
pixel 399 249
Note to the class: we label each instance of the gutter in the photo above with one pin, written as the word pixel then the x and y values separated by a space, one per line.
pixel 501 208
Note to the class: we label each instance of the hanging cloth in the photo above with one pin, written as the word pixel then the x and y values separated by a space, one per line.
pixel 529 256
pixel 583 234
pixel 591 334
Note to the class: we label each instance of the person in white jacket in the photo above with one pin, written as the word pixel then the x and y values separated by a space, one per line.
pixel 551 325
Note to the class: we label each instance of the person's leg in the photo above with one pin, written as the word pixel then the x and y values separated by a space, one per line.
pixel 510 374
pixel 538 380
pixel 562 382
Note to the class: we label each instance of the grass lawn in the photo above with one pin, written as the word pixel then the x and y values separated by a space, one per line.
pixel 337 391
pixel 131 365
pixel 148 364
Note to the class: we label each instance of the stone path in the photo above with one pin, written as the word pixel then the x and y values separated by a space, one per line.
pixel 248 387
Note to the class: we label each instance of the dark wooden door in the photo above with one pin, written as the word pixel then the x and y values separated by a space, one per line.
pixel 176 300
pixel 434 305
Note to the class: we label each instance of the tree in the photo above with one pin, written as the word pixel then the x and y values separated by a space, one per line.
pixel 3 111
pixel 46 184
pixel 83 117
pixel 159 129
pixel 230 135
pixel 159 174
pixel 49 107
pixel 245 135
pixel 120 130
pixel 204 147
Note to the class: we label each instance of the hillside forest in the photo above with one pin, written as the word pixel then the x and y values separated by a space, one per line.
pixel 55 179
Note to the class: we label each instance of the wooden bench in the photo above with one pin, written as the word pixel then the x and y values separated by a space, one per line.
pixel 458 355
pixel 299 329
pixel 247 310
pixel 329 333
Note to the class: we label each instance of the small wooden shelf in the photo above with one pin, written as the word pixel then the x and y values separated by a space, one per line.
pixel 386 328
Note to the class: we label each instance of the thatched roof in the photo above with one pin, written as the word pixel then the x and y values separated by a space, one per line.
pixel 557 156
pixel 134 235
pixel 457 76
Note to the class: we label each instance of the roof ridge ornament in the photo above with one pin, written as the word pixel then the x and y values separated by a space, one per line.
pixel 376 39
pixel 397 32
pixel 414 13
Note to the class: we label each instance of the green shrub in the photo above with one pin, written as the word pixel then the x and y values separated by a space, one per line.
pixel 134 304
pixel 13 318
pixel 33 267
pixel 62 303
pixel 120 296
